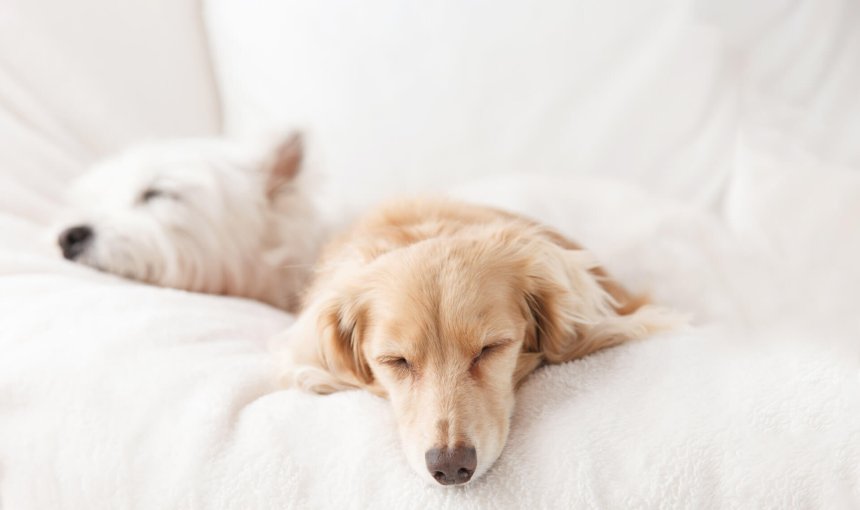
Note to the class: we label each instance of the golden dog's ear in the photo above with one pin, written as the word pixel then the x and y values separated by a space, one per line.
pixel 340 324
pixel 576 309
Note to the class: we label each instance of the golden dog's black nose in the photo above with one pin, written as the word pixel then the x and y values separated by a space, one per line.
pixel 451 466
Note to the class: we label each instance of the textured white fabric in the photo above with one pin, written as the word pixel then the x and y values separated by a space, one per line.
pixel 118 395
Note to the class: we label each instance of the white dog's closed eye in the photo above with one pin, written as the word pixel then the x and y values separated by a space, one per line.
pixel 202 215
pixel 155 192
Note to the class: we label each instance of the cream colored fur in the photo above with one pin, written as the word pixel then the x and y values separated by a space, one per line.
pixel 444 308
pixel 207 215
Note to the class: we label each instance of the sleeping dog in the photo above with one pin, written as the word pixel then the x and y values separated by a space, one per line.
pixel 444 308
pixel 204 215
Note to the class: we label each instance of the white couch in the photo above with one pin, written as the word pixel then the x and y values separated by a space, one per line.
pixel 705 150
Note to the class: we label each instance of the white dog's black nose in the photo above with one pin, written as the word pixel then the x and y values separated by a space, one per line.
pixel 73 241
pixel 451 466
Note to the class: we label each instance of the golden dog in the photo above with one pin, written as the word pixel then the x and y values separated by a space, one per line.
pixel 444 308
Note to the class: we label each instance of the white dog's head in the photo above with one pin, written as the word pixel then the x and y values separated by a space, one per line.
pixel 202 215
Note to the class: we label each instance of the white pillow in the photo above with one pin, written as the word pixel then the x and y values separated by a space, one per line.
pixel 107 72
pixel 414 97
pixel 801 213
pixel 81 79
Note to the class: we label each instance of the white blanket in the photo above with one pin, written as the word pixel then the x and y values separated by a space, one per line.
pixel 119 395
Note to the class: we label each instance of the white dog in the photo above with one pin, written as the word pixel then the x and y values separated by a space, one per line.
pixel 204 215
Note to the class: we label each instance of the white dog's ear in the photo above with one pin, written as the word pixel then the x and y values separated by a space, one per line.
pixel 576 309
pixel 284 164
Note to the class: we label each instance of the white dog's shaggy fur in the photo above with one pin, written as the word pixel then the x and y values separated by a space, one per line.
pixel 206 215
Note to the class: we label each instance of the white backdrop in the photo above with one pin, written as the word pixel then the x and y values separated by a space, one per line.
pixel 409 96
pixel 83 78
pixel 727 132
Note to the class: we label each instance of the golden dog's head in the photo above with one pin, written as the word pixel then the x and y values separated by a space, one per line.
pixel 447 328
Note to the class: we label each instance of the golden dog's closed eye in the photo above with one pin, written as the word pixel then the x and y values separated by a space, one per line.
pixel 488 350
pixel 445 308
pixel 398 363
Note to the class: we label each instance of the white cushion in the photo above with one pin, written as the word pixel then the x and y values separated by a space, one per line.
pixel 81 79
pixel 404 97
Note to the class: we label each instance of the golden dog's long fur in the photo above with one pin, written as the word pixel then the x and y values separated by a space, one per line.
pixel 444 308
